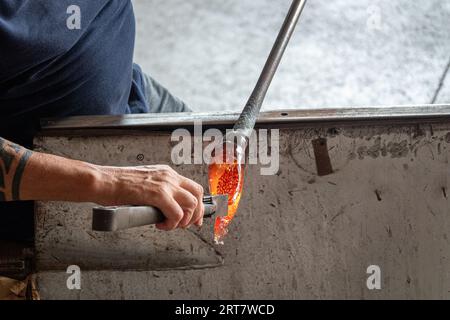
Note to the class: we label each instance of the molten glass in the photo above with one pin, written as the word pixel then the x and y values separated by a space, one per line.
pixel 226 178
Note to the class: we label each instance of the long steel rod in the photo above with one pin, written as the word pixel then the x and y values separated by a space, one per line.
pixel 248 117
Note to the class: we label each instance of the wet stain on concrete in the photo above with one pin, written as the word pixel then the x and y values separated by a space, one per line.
pixel 379 148
pixel 398 150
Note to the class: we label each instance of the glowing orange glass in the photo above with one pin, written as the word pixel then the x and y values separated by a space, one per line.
pixel 226 178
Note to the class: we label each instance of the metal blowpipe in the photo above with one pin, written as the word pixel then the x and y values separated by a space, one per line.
pixel 248 117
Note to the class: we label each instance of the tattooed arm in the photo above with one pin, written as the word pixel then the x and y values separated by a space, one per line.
pixel 13 159
pixel 28 175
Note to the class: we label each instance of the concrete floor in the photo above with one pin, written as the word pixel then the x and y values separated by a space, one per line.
pixel 210 53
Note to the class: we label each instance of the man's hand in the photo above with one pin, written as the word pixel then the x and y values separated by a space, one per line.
pixel 179 198
pixel 27 175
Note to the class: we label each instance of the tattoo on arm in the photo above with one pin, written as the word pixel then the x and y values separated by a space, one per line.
pixel 13 159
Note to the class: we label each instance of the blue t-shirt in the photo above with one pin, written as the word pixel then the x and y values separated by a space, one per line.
pixel 62 58
pixel 65 57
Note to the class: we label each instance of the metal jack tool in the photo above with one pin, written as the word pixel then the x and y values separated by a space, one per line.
pixel 108 219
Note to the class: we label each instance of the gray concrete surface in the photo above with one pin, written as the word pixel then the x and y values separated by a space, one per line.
pixel 296 235
pixel 443 92
pixel 344 52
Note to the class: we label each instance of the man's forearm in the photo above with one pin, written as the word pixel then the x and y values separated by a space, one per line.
pixel 27 175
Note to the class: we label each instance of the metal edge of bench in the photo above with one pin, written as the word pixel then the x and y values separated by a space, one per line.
pixel 426 112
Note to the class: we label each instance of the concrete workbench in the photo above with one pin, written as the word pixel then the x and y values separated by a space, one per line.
pixel 296 235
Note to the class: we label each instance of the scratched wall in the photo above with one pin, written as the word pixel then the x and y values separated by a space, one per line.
pixel 296 235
